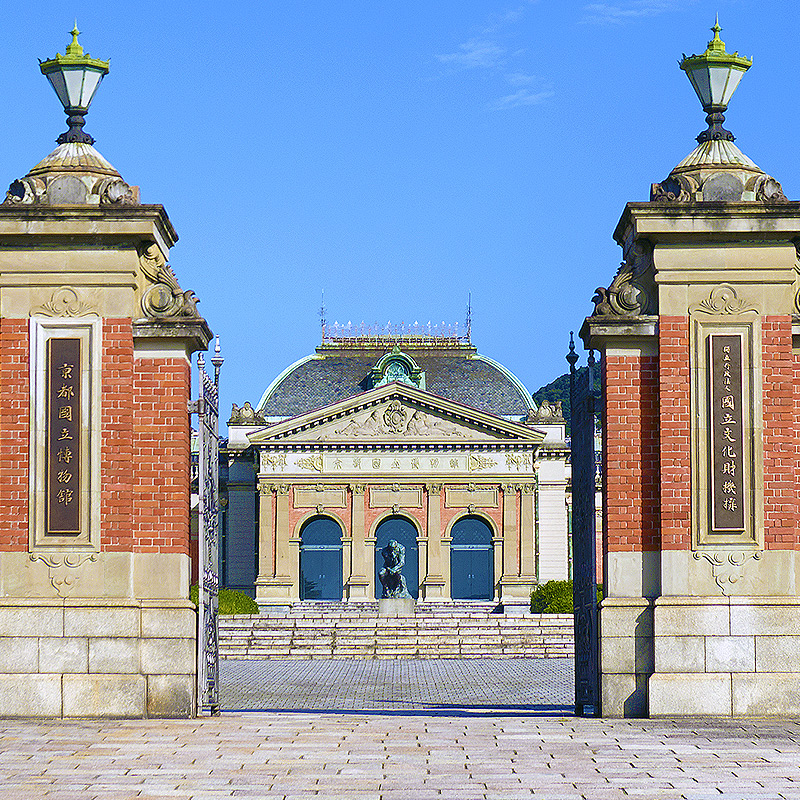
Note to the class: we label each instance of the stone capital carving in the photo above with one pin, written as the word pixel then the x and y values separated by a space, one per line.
pixel 723 300
pixel 358 488
pixel 63 568
pixel 727 568
pixel 64 302
pixel 434 488
pixel 282 488
pixel 266 488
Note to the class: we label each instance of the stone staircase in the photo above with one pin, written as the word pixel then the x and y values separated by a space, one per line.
pixel 455 629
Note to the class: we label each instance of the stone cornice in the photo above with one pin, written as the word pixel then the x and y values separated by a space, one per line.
pixel 193 331
pixel 87 224
pixel 597 332
pixel 661 222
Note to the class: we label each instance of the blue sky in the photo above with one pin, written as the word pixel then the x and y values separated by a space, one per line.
pixel 398 155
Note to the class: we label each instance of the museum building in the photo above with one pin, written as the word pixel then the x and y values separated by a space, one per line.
pixel 399 433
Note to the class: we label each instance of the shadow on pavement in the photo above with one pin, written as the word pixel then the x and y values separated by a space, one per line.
pixel 427 710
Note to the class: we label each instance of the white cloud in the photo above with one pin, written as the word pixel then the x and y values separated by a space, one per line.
pixel 475 53
pixel 524 97
pixel 628 11
pixel 491 51
pixel 501 20
pixel 521 79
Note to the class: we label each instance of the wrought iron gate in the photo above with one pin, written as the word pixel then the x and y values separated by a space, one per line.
pixel 207 409
pixel 584 583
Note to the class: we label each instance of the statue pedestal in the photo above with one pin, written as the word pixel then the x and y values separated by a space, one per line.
pixel 396 606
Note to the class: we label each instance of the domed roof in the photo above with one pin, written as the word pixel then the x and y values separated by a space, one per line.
pixel 73 174
pixel 344 368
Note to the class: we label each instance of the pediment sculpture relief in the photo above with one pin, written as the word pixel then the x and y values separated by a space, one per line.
pixel 395 420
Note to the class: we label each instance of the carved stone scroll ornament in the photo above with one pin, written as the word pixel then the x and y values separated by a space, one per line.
pixel 675 189
pixel 768 190
pixel 63 569
pixel 723 300
pixel 64 302
pixel 632 292
pixel 246 415
pixel 727 569
pixel 68 189
pixel 164 299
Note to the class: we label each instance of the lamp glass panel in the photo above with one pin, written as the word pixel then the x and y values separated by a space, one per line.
pixel 91 80
pixel 74 80
pixel 57 82
pixel 700 82
pixel 718 79
pixel 734 76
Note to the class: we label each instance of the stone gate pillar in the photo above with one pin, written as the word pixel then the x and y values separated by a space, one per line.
pixel 95 343
pixel 701 379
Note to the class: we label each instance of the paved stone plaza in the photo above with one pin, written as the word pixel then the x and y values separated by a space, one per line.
pixel 487 684
pixel 441 746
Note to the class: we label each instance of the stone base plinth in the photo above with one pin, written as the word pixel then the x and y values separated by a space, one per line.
pixel 396 606
pixel 726 656
pixel 626 655
pixel 97 658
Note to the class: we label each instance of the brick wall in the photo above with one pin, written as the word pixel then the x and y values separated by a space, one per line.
pixel 631 453
pixel 14 434
pixel 161 441
pixel 675 422
pixel 780 437
pixel 116 475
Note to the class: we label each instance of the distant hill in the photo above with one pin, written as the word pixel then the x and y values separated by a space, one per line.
pixel 559 390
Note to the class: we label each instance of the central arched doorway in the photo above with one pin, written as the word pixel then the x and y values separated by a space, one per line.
pixel 321 559
pixel 402 531
pixel 471 560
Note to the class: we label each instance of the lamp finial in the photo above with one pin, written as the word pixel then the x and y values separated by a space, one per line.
pixel 75 77
pixel 715 74
pixel 74 47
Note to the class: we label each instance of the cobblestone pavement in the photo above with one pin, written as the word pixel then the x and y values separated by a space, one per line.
pixel 398 756
pixel 491 684
pixel 399 730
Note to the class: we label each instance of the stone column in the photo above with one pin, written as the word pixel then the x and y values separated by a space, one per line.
pixel 358 585
pixel 702 392
pixel 514 592
pixel 96 344
pixel 433 587
pixel 552 506
pixel 275 586
pixel 527 532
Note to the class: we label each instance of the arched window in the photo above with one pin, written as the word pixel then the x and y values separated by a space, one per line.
pixel 321 560
pixel 402 531
pixel 471 560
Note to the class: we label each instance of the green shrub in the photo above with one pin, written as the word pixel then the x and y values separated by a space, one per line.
pixel 231 601
pixel 553 597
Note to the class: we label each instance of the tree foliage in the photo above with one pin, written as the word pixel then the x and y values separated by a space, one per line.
pixel 559 390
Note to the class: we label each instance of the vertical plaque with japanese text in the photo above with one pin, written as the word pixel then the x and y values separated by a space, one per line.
pixel 727 450
pixel 63 437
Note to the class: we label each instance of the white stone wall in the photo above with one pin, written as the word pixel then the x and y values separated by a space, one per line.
pixel 97 658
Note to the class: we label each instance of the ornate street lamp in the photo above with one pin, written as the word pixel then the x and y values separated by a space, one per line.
pixel 715 75
pixel 75 77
